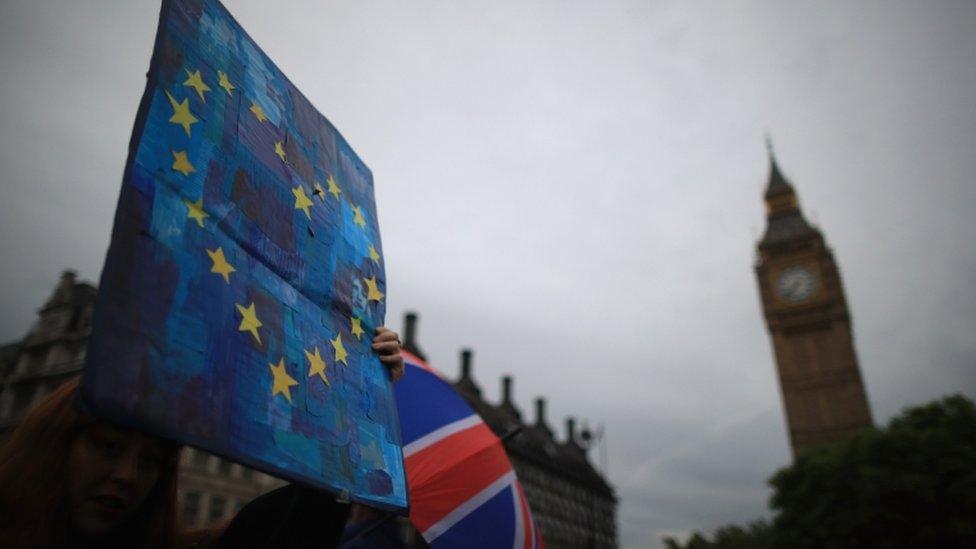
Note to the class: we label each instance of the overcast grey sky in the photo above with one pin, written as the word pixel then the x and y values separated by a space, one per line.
pixel 574 190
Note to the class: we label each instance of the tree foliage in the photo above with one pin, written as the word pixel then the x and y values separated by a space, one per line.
pixel 755 535
pixel 911 484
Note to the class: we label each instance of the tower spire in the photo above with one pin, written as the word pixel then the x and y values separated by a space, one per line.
pixel 777 184
pixel 784 219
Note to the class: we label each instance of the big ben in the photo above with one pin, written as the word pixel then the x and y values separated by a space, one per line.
pixel 809 324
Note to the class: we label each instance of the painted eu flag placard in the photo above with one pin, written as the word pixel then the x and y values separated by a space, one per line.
pixel 244 281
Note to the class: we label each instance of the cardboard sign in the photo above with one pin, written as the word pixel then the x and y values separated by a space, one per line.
pixel 244 281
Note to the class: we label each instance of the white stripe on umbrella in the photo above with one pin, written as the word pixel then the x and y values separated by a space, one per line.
pixel 440 434
pixel 519 541
pixel 465 508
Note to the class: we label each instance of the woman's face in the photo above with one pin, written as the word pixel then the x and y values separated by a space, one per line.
pixel 110 472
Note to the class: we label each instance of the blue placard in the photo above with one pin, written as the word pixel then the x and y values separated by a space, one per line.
pixel 244 281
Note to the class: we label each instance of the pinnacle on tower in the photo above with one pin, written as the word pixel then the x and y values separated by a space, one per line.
pixel 777 184
pixel 784 219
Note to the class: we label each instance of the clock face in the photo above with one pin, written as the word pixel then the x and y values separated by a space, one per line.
pixel 796 284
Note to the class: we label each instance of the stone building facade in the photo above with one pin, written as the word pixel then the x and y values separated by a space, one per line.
pixel 809 324
pixel 573 504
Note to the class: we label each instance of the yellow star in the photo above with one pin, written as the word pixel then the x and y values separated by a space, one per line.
pixel 258 112
pixel 195 81
pixel 357 327
pixel 280 150
pixel 340 349
pixel 181 163
pixel 302 201
pixel 224 82
pixel 220 265
pixel 181 113
pixel 194 210
pixel 249 321
pixel 316 365
pixel 282 381
pixel 319 190
pixel 374 255
pixel 357 217
pixel 333 187
pixel 372 292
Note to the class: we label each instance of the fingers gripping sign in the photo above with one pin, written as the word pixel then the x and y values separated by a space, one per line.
pixel 387 346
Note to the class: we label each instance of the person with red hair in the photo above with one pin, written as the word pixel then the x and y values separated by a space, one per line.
pixel 68 479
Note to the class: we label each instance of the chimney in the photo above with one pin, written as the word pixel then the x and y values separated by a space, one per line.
pixel 410 335
pixel 570 430
pixel 466 363
pixel 66 287
pixel 63 292
pixel 409 327
pixel 507 390
pixel 540 411
pixel 507 405
pixel 465 384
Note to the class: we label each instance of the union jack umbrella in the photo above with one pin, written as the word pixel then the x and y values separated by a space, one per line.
pixel 463 490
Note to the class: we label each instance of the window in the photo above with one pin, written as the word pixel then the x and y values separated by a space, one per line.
pixel 200 458
pixel 218 504
pixel 25 363
pixel 191 508
pixel 22 400
pixel 223 467
pixel 56 357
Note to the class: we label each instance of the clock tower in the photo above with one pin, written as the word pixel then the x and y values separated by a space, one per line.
pixel 809 324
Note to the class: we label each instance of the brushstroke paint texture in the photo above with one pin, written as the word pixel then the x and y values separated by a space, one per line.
pixel 168 353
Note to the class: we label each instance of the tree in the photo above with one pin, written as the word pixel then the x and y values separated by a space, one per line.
pixel 755 535
pixel 911 484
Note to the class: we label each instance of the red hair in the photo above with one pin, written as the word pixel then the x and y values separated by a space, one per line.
pixel 33 482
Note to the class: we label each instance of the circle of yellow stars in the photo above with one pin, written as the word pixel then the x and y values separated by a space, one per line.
pixel 282 382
